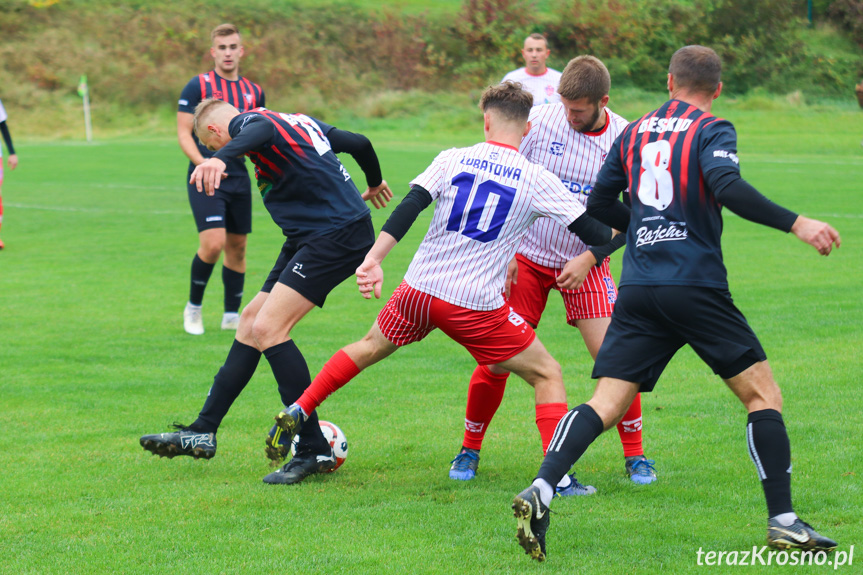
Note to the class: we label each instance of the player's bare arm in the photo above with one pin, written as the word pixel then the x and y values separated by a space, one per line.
pixel 208 175
pixel 379 195
pixel 185 123
pixel 575 271
pixel 370 274
pixel 511 276
pixel 13 161
pixel 819 235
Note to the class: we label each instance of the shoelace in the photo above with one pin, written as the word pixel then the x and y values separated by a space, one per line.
pixel 463 460
pixel 644 467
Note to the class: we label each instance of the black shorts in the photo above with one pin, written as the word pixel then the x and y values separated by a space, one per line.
pixel 650 323
pixel 315 266
pixel 229 208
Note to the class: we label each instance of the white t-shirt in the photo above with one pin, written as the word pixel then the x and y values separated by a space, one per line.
pixel 575 158
pixel 543 87
pixel 487 197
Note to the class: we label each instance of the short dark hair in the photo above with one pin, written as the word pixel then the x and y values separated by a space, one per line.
pixel 508 99
pixel 225 29
pixel 538 36
pixel 696 68
pixel 584 77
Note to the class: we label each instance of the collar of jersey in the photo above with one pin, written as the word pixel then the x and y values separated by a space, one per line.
pixel 604 128
pixel 493 143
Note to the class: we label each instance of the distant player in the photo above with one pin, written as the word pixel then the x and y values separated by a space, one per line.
pixel 680 166
pixel 328 230
pixel 13 158
pixel 224 219
pixel 487 196
pixel 535 76
pixel 570 139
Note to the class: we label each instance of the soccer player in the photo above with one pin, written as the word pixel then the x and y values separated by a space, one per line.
pixel 487 197
pixel 680 166
pixel 13 158
pixel 224 219
pixel 570 139
pixel 535 76
pixel 328 230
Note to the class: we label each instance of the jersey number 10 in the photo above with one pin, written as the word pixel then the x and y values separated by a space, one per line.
pixel 487 211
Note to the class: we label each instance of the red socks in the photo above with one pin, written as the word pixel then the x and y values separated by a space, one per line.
pixel 547 416
pixel 629 429
pixel 484 395
pixel 339 370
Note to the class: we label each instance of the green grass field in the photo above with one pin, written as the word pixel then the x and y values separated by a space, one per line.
pixel 92 355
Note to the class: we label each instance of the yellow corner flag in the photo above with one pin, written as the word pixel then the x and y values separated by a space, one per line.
pixel 82 86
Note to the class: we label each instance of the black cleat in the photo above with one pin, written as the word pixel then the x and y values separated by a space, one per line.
pixel 798 535
pixel 278 446
pixel 533 520
pixel 184 441
pixel 301 466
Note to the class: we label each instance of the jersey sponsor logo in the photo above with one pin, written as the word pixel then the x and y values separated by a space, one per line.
pixel 675 231
pixel 577 188
pixel 296 270
pixel 655 186
pixel 662 125
pixel 183 102
pixel 549 90
pixel 218 94
pixel 508 172
pixel 725 154
pixel 556 148
pixel 493 156
pixel 213 219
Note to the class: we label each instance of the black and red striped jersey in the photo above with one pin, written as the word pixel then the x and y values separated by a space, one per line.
pixel 305 187
pixel 673 237
pixel 243 94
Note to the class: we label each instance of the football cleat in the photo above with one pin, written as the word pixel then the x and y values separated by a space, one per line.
pixel 184 441
pixel 533 519
pixel 301 466
pixel 291 420
pixel 574 488
pixel 798 535
pixel 193 320
pixel 278 445
pixel 640 469
pixel 231 321
pixel 464 465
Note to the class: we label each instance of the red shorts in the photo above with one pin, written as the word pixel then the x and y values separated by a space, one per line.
pixel 490 336
pixel 595 298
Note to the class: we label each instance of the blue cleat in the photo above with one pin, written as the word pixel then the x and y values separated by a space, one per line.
pixel 464 465
pixel 574 488
pixel 640 469
pixel 278 445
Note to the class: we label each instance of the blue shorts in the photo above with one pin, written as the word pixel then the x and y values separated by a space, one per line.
pixel 650 323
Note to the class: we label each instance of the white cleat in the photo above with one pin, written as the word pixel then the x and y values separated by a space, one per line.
pixel 231 320
pixel 193 321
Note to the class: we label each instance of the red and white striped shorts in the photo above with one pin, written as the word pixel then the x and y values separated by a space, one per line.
pixel 595 298
pixel 490 336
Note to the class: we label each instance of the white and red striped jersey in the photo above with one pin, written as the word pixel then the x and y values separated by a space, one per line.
pixel 487 197
pixel 543 87
pixel 575 158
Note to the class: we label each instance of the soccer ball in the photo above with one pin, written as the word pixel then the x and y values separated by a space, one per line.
pixel 335 437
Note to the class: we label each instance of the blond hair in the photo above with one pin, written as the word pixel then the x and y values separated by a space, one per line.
pixel 225 29
pixel 208 111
